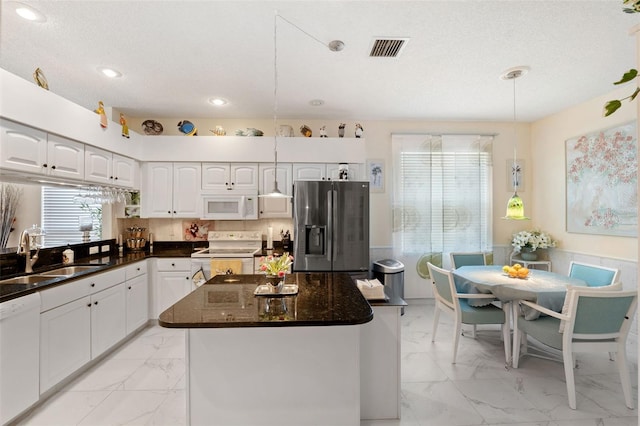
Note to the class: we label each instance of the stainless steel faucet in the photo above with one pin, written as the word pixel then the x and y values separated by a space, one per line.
pixel 24 249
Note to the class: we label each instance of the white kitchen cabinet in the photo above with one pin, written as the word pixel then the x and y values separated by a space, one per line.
pixel 137 296
pixel 108 319
pixel 172 282
pixel 223 177
pixel 65 341
pixel 78 322
pixel 107 168
pixel 275 207
pixel 22 148
pixel 309 171
pixel 171 190
pixel 28 150
pixel 355 171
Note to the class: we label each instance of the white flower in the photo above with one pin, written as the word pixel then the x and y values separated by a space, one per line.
pixel 532 240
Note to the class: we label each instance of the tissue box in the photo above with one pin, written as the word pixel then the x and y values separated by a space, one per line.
pixel 371 289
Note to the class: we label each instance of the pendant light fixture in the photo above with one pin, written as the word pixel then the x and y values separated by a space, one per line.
pixel 515 205
pixel 334 46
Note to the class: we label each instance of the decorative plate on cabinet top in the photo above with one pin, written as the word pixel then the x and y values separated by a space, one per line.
pixel 152 127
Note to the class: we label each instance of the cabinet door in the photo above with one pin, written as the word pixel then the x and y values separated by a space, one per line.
pixel 65 341
pixel 216 177
pixel 171 287
pixel 107 319
pixel 98 165
pixel 22 148
pixel 65 158
pixel 137 300
pixel 355 171
pixel 125 171
pixel 157 194
pixel 275 207
pixel 244 177
pixel 309 171
pixel 187 201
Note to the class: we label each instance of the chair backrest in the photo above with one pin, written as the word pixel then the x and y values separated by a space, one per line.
pixel 443 286
pixel 467 259
pixel 593 275
pixel 597 315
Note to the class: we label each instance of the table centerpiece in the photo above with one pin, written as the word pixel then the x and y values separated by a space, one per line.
pixel 527 242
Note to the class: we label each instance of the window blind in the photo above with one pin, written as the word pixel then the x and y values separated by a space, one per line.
pixel 61 210
pixel 442 193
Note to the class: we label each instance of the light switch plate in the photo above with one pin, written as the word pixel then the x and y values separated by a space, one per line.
pixel 104 249
pixel 93 250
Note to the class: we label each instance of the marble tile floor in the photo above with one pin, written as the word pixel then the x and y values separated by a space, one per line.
pixel 143 383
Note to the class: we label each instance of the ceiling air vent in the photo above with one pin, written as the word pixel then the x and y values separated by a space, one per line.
pixel 388 47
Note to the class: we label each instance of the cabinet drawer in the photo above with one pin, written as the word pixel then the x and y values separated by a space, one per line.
pixel 174 264
pixel 68 292
pixel 135 270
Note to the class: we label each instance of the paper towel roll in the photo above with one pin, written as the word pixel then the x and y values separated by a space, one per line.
pixel 270 237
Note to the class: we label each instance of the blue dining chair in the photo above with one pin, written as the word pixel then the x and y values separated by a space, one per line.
pixel 593 275
pixel 467 259
pixel 450 301
pixel 586 329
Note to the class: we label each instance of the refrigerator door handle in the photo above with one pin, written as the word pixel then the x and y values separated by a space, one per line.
pixel 329 234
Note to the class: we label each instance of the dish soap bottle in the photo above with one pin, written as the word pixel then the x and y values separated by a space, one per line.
pixel 67 255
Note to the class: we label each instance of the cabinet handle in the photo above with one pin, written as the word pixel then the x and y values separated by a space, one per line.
pixel 138 269
pixel 89 305
pixel 129 287
pixel 110 177
pixel 186 278
pixel 93 284
pixel 173 264
pixel 45 165
pixel 95 303
pixel 174 212
pixel 53 167
pixel 116 178
pixel 169 211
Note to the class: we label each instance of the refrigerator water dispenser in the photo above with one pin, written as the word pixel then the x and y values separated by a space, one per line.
pixel 315 240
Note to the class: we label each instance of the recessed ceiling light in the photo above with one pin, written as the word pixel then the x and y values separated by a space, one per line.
pixel 29 13
pixel 316 102
pixel 110 72
pixel 218 101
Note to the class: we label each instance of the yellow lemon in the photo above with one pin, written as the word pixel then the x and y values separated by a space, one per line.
pixel 513 273
pixel 506 268
pixel 517 266
pixel 522 273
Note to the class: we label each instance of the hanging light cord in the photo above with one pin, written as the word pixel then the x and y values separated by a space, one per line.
pixel 275 101
pixel 514 167
pixel 291 23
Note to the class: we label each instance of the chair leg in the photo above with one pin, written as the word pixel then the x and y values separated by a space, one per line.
pixel 567 356
pixel 507 344
pixel 436 318
pixel 456 338
pixel 623 369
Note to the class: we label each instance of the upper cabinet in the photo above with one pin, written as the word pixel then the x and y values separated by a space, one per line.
pixel 275 207
pixel 28 150
pixel 171 190
pixel 321 171
pixel 107 168
pixel 223 177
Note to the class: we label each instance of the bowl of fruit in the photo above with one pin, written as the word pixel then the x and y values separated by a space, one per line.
pixel 516 271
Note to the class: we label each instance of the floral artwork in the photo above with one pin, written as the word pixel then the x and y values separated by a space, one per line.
pixel 195 230
pixel 602 174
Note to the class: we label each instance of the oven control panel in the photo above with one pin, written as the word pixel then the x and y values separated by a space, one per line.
pixel 234 236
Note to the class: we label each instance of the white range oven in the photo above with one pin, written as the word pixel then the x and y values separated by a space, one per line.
pixel 232 249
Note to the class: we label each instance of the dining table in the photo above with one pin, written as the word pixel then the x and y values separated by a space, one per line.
pixel 547 289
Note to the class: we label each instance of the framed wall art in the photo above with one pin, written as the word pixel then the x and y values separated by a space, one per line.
pixel 602 174
pixel 376 171
pixel 515 174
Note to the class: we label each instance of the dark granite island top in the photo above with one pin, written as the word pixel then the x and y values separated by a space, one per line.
pixel 228 301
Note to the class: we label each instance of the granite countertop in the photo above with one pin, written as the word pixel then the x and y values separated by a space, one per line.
pixel 228 301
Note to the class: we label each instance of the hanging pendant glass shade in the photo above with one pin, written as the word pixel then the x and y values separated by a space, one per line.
pixel 515 208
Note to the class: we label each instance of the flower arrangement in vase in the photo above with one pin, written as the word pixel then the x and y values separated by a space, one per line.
pixel 276 269
pixel 527 242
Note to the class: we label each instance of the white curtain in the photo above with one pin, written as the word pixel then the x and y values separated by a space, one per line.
pixel 442 195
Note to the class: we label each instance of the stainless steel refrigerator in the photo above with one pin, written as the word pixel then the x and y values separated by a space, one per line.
pixel 331 220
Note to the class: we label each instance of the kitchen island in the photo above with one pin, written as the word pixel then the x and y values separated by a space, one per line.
pixel 294 363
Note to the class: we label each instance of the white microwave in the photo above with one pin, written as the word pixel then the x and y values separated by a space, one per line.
pixel 230 207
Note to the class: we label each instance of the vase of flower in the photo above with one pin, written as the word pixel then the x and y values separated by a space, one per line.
pixel 275 269
pixel 275 283
pixel 529 254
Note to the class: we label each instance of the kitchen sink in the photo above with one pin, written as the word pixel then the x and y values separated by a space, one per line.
pixel 69 270
pixel 27 279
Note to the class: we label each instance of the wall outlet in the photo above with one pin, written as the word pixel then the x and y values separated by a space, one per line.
pixel 93 250
pixel 105 249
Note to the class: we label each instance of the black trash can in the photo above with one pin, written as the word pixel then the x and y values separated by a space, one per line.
pixel 390 272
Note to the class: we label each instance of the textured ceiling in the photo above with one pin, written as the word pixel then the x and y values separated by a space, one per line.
pixel 175 55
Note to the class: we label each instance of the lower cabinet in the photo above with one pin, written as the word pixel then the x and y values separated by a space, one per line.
pixel 172 282
pixel 108 319
pixel 137 302
pixel 65 341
